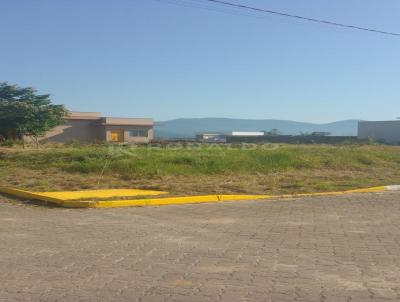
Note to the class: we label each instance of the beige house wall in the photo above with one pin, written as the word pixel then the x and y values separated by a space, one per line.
pixel 91 127
pixel 127 137
pixel 80 130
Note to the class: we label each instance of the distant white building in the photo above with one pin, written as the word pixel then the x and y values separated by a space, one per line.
pixel 211 137
pixel 384 131
pixel 221 136
pixel 245 133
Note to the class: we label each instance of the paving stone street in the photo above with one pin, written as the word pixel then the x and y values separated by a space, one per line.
pixel 337 248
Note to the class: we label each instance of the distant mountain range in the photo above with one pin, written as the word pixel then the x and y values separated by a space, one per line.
pixel 186 128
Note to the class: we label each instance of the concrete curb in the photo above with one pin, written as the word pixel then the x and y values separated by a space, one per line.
pixel 67 203
pixel 99 194
pixel 30 195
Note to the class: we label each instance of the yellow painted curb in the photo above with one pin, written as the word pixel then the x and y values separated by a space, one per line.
pixel 70 203
pixel 170 200
pixel 30 195
pixel 365 190
pixel 217 198
pixel 98 194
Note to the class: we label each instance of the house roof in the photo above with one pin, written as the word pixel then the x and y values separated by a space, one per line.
pixel 74 115
pixel 117 121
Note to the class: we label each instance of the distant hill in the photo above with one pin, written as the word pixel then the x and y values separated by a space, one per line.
pixel 185 128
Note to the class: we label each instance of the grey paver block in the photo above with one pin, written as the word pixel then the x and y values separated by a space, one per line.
pixel 334 248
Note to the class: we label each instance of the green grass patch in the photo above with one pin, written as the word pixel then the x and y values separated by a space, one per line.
pixel 248 168
pixel 152 161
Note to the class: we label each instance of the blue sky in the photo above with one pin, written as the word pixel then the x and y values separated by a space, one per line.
pixel 164 60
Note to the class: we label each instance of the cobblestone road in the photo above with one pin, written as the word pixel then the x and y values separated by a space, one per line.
pixel 344 248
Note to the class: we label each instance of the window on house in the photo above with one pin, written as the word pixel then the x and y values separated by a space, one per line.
pixel 138 133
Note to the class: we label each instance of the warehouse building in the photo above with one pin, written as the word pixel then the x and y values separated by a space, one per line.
pixel 381 131
pixel 264 137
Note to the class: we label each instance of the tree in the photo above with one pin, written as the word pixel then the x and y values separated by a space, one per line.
pixel 320 133
pixel 23 112
pixel 272 132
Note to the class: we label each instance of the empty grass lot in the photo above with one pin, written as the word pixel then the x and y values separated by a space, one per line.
pixel 202 169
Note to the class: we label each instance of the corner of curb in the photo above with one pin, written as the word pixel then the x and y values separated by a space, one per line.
pixel 392 188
